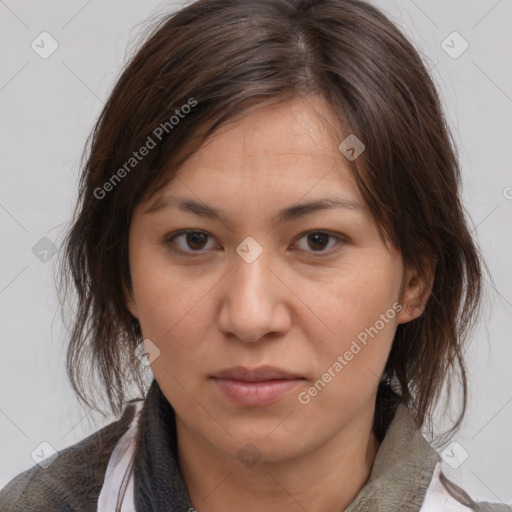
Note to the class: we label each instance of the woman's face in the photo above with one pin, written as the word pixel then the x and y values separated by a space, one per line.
pixel 265 281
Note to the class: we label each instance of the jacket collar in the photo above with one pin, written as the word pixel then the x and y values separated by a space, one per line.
pixel 398 481
pixel 402 469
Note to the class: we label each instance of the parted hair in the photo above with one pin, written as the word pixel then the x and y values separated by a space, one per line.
pixel 221 58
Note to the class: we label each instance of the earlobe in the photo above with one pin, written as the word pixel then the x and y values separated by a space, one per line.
pixel 417 289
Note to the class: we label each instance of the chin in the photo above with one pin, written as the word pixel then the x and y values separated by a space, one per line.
pixel 265 442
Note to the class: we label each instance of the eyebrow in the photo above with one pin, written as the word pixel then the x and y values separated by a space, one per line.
pixel 287 214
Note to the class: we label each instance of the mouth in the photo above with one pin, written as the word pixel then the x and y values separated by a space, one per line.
pixel 255 387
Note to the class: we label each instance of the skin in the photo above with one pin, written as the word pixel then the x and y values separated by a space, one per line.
pixel 298 306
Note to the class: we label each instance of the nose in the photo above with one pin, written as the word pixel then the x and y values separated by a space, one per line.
pixel 255 301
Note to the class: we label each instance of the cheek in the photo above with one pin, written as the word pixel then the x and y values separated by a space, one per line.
pixel 172 310
pixel 360 309
pixel 350 360
pixel 362 296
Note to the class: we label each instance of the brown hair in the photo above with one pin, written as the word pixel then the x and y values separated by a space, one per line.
pixel 221 57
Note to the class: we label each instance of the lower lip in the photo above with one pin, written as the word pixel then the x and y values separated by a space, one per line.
pixel 253 394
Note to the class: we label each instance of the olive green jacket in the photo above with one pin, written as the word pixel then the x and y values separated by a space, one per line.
pixel 131 466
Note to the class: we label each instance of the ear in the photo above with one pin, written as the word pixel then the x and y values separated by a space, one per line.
pixel 416 289
pixel 130 301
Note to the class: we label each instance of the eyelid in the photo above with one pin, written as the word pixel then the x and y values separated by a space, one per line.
pixel 341 239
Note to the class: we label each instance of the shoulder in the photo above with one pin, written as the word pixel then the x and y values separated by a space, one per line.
pixel 74 479
pixel 444 496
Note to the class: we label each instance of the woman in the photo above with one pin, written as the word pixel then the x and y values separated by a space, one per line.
pixel 269 217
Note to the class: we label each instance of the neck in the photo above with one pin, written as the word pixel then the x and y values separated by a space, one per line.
pixel 327 478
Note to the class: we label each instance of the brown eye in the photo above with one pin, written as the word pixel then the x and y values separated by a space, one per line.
pixel 189 241
pixel 195 240
pixel 318 241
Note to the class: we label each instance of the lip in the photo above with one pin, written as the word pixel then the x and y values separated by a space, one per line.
pixel 255 387
pixel 262 373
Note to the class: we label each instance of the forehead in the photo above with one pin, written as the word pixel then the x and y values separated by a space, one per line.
pixel 287 151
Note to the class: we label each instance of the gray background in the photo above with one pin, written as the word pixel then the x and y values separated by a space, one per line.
pixel 48 108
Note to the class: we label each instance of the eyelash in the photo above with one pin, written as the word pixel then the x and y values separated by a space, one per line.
pixel 169 240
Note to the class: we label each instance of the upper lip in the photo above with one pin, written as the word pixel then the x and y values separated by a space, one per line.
pixel 262 373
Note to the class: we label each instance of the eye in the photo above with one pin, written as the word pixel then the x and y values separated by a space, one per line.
pixel 190 239
pixel 319 240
